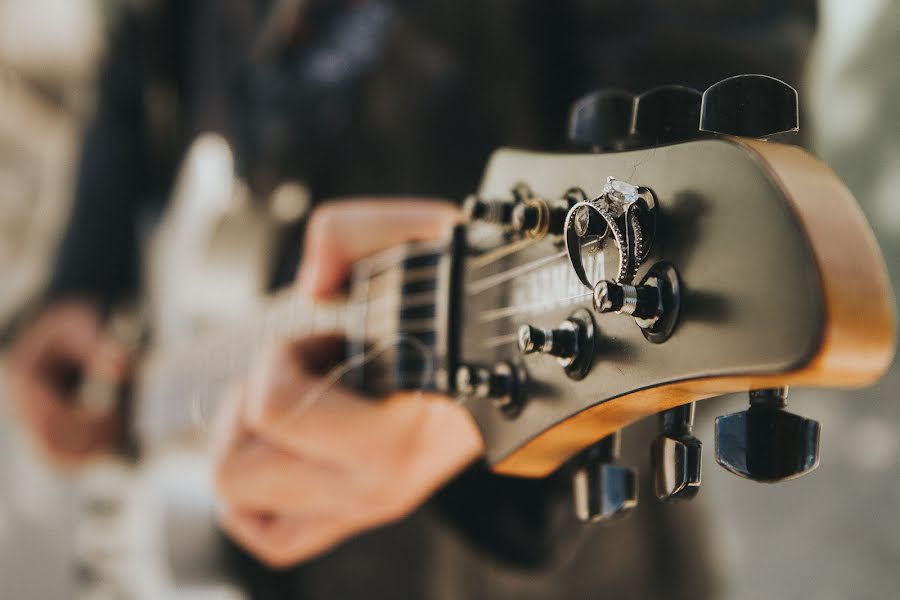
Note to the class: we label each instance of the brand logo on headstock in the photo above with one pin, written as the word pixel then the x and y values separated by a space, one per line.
pixel 555 285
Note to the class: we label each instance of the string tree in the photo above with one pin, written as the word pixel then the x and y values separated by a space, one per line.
pixel 655 303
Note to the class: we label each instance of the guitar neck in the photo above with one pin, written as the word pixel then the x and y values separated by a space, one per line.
pixel 179 387
pixel 392 297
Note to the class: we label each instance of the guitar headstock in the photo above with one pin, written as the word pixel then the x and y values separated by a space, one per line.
pixel 588 291
pixel 626 284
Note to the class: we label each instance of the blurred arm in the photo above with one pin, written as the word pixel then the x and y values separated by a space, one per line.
pixel 98 257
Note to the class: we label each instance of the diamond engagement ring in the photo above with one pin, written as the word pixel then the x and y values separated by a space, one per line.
pixel 623 212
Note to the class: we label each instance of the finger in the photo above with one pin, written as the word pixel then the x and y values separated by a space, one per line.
pixel 445 441
pixel 281 395
pixel 409 434
pixel 310 416
pixel 253 474
pixel 109 360
pixel 61 348
pixel 333 240
pixel 63 433
pixel 340 425
pixel 290 406
pixel 37 399
pixel 282 541
pixel 258 476
pixel 67 331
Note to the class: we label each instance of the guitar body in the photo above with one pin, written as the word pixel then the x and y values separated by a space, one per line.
pixel 148 528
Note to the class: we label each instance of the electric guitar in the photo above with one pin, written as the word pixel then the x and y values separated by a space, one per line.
pixel 683 255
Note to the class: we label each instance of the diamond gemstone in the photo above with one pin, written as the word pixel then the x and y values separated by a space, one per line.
pixel 620 195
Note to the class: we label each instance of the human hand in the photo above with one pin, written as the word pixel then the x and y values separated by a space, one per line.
pixel 58 350
pixel 295 482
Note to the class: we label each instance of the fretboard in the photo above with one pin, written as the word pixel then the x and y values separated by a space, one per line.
pixel 179 387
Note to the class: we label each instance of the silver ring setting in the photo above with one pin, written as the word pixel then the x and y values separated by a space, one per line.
pixel 623 212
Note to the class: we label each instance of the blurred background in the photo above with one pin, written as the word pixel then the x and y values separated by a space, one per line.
pixel 832 535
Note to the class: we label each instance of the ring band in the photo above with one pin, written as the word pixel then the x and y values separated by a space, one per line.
pixel 625 231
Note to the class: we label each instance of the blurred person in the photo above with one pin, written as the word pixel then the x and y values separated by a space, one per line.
pixel 387 99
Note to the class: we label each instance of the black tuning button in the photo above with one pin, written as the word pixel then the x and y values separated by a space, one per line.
pixel 504 385
pixel 755 106
pixel 666 114
pixel 602 121
pixel 675 456
pixel 766 443
pixel 601 490
pixel 655 304
pixel 536 218
pixel 561 342
pixel 494 211
pixel 572 343
pixel 639 301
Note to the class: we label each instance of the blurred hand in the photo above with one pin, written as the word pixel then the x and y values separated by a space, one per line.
pixel 296 477
pixel 57 351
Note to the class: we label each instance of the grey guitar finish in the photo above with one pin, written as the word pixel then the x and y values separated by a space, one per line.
pixel 751 301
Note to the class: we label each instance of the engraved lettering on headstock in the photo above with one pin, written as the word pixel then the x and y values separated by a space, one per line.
pixel 555 285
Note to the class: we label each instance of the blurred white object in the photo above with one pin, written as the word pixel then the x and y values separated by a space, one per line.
pixel 59 40
pixel 149 531
pixel 149 534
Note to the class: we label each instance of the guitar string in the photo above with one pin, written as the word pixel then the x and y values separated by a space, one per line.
pixel 416 301
pixel 312 317
pixel 404 254
pixel 296 301
pixel 421 325
pixel 495 279
pixel 499 340
pixel 421 300
pixel 508 311
pixel 492 256
pixel 200 354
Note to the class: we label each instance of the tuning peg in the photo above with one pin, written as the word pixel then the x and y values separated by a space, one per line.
pixel 602 120
pixel 535 217
pixel 572 343
pixel 495 211
pixel 655 303
pixel 675 456
pixel 767 443
pixel 600 489
pixel 756 106
pixel 639 301
pixel 665 114
pixel 561 342
pixel 504 384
